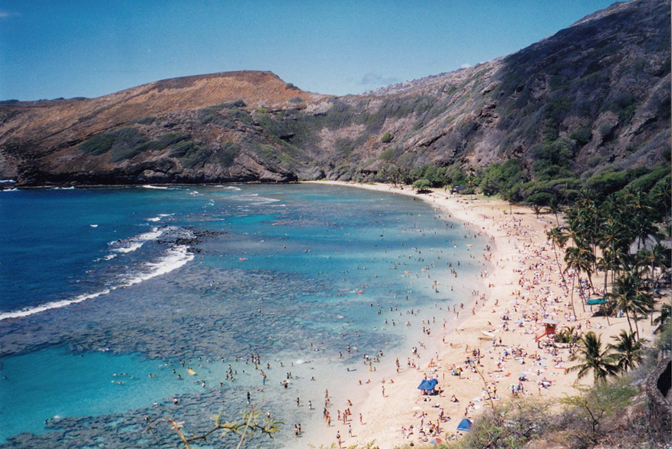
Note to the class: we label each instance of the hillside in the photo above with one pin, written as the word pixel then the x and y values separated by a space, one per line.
pixel 592 99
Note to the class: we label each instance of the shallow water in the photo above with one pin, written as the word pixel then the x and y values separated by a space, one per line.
pixel 205 274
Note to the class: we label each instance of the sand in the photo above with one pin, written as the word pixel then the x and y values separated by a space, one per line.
pixel 524 281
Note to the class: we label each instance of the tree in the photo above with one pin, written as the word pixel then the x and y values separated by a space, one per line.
pixel 558 239
pixel 639 213
pixel 593 407
pixel 628 350
pixel 628 295
pixel 251 423
pixel 593 358
pixel 580 259
pixel 661 321
pixel 554 208
pixel 422 185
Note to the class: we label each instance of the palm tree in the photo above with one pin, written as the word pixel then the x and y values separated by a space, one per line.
pixel 657 257
pixel 607 262
pixel 558 239
pixel 601 363
pixel 555 208
pixel 628 350
pixel 536 209
pixel 579 258
pixel 661 195
pixel 665 312
pixel 628 295
pixel 611 236
pixel 640 224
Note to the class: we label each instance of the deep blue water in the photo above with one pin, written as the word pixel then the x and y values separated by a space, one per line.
pixel 295 273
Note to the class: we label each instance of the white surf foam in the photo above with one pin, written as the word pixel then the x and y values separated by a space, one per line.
pixel 173 259
pixel 136 242
pixel 230 188
pixel 159 217
pixel 149 186
pixel 51 305
pixel 3 181
pixel 9 190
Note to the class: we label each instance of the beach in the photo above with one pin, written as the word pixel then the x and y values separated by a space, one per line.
pixel 495 349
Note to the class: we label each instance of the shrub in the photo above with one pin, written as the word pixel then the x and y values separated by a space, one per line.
pixel 295 100
pixel 97 145
pixel 552 158
pixel 623 105
pixel 646 182
pixel 146 120
pixel 582 135
pixel 539 199
pixel 606 182
pixel 422 185
pixel 605 129
pixel 128 142
pixel 388 154
pixel 513 424
pixel 499 177
pixel 587 413
pixel 124 143
pixel 166 140
pixel 387 138
pixel 228 153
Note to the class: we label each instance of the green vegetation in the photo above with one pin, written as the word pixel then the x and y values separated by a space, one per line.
pixel 146 120
pixel 623 105
pixel 97 145
pixel 582 135
pixel 593 416
pixel 126 143
pixel 422 185
pixel 225 115
pixel 251 424
pixel 387 138
pixel 501 177
pixel 123 143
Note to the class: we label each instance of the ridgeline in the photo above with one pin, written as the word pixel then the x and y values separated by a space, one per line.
pixel 588 106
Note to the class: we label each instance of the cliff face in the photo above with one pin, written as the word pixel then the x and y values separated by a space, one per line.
pixel 594 94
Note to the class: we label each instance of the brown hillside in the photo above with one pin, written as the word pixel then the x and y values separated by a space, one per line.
pixel 50 124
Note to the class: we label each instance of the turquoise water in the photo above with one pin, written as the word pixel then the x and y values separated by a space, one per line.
pixel 106 291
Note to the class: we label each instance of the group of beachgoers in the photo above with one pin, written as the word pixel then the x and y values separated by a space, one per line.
pixel 499 356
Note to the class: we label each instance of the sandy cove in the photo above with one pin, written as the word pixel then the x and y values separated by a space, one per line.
pixel 524 284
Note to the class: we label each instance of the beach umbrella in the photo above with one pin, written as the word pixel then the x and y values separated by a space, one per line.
pixel 465 425
pixel 436 441
pixel 522 376
pixel 428 384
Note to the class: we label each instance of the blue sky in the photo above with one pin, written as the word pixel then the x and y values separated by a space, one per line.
pixel 89 48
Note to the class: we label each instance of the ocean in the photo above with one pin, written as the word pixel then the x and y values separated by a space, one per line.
pixel 116 303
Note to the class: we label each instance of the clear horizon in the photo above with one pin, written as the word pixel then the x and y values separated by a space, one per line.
pixel 89 49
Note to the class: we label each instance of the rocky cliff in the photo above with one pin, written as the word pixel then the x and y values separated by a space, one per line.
pixel 594 95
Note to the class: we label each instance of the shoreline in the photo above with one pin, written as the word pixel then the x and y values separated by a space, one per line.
pixel 525 286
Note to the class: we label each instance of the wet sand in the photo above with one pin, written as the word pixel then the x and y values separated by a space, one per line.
pixel 524 288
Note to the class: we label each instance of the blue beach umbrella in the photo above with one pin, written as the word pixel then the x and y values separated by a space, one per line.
pixel 428 384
